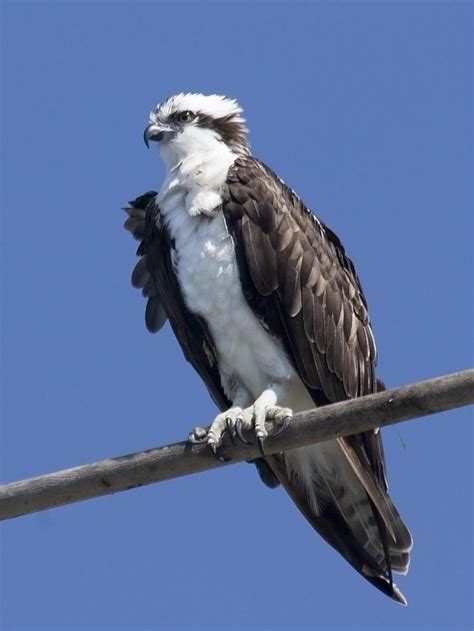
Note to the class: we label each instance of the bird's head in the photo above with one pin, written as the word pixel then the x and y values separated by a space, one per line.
pixel 189 122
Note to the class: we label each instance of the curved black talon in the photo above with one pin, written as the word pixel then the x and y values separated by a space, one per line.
pixel 260 440
pixel 238 430
pixel 284 426
pixel 230 429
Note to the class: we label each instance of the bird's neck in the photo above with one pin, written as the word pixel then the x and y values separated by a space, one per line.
pixel 197 163
pixel 193 147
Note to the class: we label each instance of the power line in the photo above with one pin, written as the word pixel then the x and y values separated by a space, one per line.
pixel 172 461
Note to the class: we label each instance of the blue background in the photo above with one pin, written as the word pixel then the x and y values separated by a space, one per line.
pixel 363 108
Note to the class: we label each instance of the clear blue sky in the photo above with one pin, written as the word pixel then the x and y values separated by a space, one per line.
pixel 365 109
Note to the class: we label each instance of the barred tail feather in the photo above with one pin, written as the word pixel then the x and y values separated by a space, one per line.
pixel 342 512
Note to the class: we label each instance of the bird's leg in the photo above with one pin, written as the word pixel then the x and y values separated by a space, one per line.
pixel 264 408
pixel 238 419
pixel 224 422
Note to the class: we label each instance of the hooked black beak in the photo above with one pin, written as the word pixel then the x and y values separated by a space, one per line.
pixel 155 133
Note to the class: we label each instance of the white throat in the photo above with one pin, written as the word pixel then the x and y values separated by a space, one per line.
pixel 197 162
pixel 192 141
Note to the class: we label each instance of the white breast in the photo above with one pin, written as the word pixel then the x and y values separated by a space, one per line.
pixel 207 270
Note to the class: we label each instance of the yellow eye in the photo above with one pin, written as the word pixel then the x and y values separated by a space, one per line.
pixel 186 116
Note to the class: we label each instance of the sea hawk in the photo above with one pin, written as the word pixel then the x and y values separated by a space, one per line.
pixel 268 309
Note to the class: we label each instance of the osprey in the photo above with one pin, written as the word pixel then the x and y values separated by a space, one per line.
pixel 269 310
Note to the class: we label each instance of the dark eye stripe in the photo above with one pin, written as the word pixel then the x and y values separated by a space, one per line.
pixel 231 131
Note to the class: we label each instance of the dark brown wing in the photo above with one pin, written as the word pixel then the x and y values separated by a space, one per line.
pixel 297 277
pixel 300 266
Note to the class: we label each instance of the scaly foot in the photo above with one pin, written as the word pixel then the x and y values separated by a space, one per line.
pixel 237 420
pixel 224 422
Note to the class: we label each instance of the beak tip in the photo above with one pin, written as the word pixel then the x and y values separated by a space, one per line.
pixel 146 138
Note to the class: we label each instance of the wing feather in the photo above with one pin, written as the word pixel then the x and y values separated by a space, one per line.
pixel 288 250
pixel 300 271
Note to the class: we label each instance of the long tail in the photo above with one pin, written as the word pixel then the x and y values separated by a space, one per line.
pixel 368 532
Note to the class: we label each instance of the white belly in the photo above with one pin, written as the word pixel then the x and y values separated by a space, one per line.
pixel 207 270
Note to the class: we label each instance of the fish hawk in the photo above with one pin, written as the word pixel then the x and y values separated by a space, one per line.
pixel 268 309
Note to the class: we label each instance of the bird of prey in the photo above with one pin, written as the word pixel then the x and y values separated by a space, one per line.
pixel 269 310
